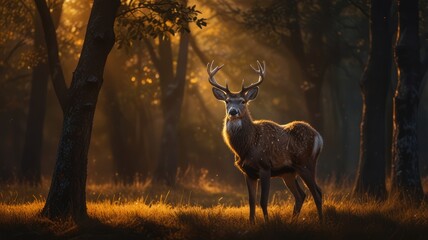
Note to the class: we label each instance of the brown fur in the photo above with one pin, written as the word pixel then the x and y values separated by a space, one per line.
pixel 266 144
pixel 283 150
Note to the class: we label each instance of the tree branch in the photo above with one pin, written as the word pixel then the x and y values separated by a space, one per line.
pixel 204 59
pixel 201 55
pixel 152 53
pixel 181 68
pixel 424 63
pixel 208 115
pixel 359 7
pixel 29 10
pixel 424 72
pixel 57 74
pixel 17 77
pixel 19 44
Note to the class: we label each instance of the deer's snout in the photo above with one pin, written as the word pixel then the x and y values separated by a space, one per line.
pixel 233 112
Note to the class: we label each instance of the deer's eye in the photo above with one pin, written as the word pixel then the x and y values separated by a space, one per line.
pixel 226 101
pixel 242 102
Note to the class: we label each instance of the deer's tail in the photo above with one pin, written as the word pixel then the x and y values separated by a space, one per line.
pixel 318 145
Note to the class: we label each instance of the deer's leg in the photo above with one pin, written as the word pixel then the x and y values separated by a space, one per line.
pixel 252 189
pixel 309 180
pixel 312 170
pixel 265 185
pixel 299 188
pixel 294 187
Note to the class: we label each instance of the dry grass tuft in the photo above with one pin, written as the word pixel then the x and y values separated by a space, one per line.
pixel 154 212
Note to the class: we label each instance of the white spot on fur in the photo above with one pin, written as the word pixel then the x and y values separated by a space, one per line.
pixel 318 144
pixel 233 126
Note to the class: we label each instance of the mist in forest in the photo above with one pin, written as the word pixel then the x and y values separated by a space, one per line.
pixel 315 54
pixel 140 119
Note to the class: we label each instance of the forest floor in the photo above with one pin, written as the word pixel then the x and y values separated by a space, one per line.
pixel 207 211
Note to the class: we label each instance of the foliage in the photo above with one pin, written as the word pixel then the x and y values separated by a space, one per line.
pixel 142 19
pixel 16 59
pixel 270 21
pixel 18 55
pixel 290 25
pixel 141 76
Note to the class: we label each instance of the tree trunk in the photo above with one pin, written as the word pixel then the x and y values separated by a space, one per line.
pixel 313 99
pixel 145 140
pixel 11 142
pixel 314 61
pixel 406 180
pixel 32 152
pixel 67 197
pixel 172 99
pixel 122 143
pixel 375 84
pixel 33 143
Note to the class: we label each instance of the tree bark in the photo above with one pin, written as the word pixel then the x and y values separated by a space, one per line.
pixel 57 75
pixel 11 142
pixel 33 143
pixel 374 85
pixel 122 143
pixel 172 88
pixel 32 152
pixel 406 181
pixel 315 60
pixel 67 198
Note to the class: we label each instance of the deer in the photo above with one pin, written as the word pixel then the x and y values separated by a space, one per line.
pixel 264 149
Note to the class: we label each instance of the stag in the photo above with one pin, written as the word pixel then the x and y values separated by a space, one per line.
pixel 264 149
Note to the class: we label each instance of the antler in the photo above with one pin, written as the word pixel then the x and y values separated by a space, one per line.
pixel 211 79
pixel 261 70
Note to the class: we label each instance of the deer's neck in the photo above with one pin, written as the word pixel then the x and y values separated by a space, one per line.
pixel 239 134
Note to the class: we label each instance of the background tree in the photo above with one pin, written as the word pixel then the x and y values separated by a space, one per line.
pixel 130 108
pixel 172 81
pixel 32 150
pixel 24 56
pixel 16 61
pixel 129 116
pixel 172 85
pixel 67 192
pixel 406 179
pixel 423 108
pixel 375 83
pixel 127 161
pixel 172 89
pixel 67 196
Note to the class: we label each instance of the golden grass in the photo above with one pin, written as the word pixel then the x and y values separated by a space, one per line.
pixel 154 212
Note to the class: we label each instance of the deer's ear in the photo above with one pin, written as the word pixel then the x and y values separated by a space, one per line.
pixel 251 94
pixel 219 94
